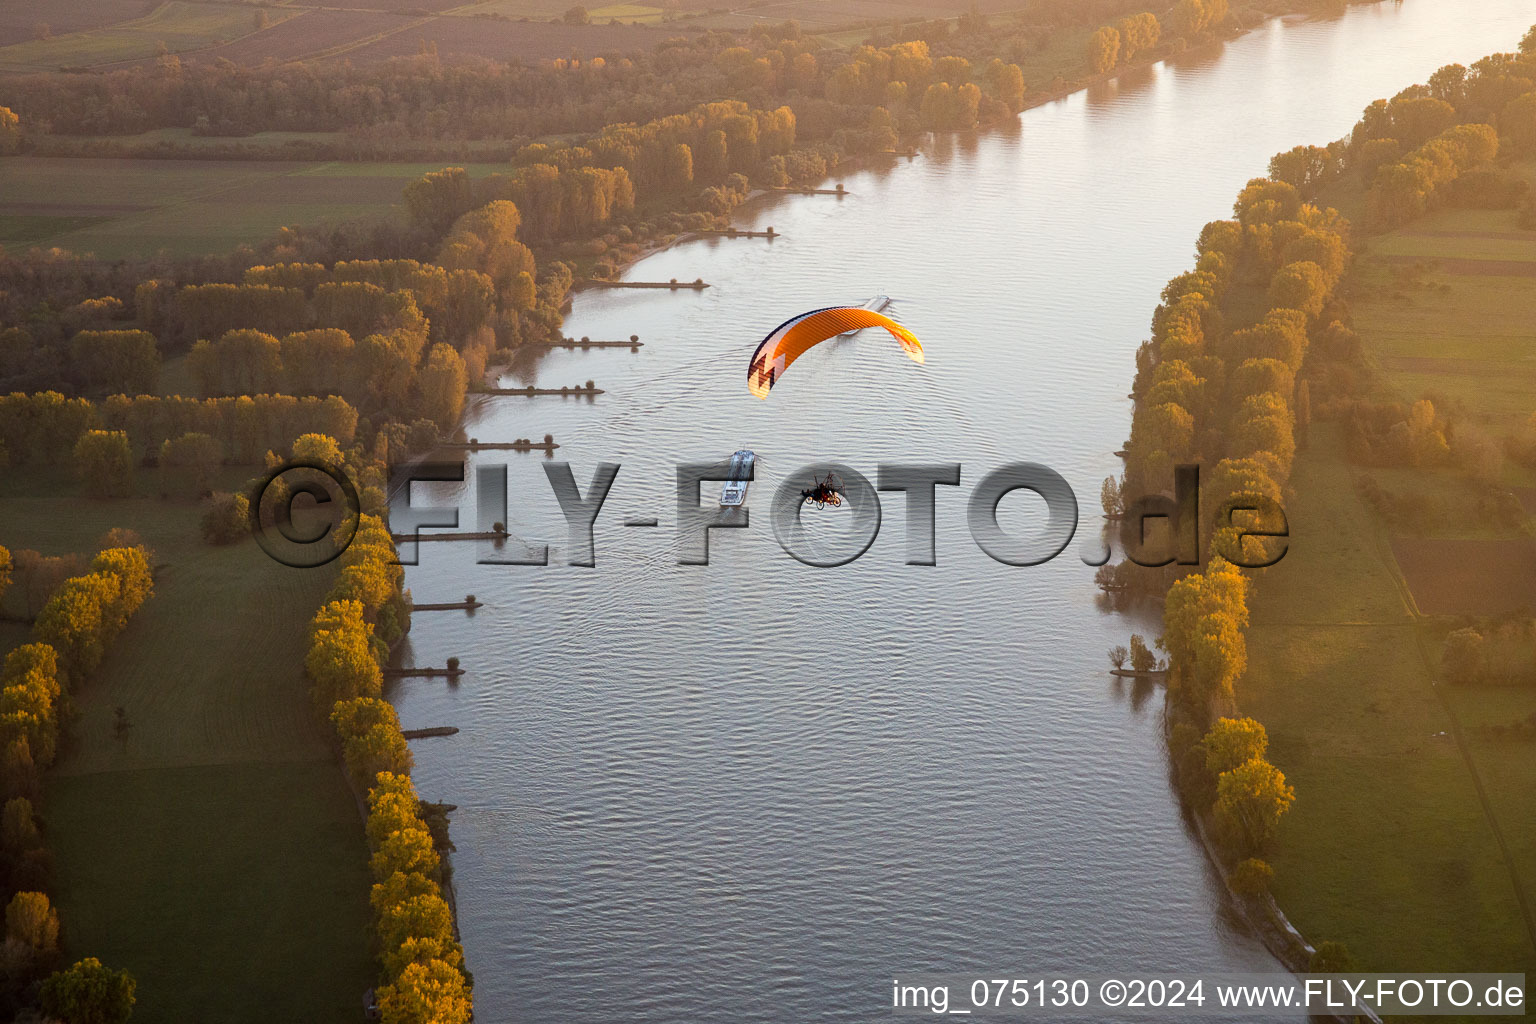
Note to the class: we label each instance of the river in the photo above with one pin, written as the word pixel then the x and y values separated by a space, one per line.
pixel 757 791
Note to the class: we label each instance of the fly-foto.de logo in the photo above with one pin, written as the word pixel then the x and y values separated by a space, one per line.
pixel 1152 530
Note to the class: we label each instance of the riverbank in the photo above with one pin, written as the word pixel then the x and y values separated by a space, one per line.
pixel 1261 912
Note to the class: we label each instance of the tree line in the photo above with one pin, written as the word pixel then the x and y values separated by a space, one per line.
pixel 72 633
pixel 45 427
pixel 1414 150
pixel 386 109
pixel 422 972
pixel 1131 36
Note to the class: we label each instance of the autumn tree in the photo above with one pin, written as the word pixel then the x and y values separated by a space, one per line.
pixel 392 806
pixel 115 361
pixel 1142 658
pixel 10 131
pixel 371 740
pixel 28 701
pixel 240 362
pixel 1325 249
pixel 1192 17
pixel 1259 376
pixel 205 311
pixel 304 276
pixel 1232 742
pixel 1251 877
pixel 1517 124
pixel 1138 33
pixel 409 850
pixel 1266 201
pixel 104 463
pixel 1463 660
pixel 1168 428
pixel 197 455
pixel 1300 286
pixel 1242 484
pixel 1103 50
pixel 438 198
pixel 1281 335
pixel 317 362
pixel 426 993
pixel 1250 800
pixel 226 518
pixel 1005 83
pixel 443 381
pixel 1112 497
pixel 32 923
pixel 317 448
pixel 1263 429
pixel 1204 616
pixel 129 567
pixel 1305 167
pixel 361 308
pixel 89 993
pixel 418 915
pixel 1175 382
pixel 18 827
pixel 342 660
pixel 1404 190
pixel 1332 958
pixel 485 239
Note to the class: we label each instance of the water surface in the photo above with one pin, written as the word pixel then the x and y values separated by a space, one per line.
pixel 755 791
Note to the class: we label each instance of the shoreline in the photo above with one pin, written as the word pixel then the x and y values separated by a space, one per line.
pixel 1032 100
pixel 1265 918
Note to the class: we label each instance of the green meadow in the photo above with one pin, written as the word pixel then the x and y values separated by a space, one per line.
pixel 118 208
pixel 1412 838
pixel 216 847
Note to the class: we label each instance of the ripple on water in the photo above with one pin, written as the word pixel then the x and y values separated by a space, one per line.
pixel 756 790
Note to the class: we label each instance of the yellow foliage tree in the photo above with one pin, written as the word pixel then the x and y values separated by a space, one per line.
pixel 1250 800
pixel 371 740
pixel 78 621
pixel 430 993
pixel 1103 50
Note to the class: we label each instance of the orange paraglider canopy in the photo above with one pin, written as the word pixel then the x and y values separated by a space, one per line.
pixel 794 337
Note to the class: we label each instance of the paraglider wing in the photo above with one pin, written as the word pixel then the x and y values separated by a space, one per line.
pixel 794 337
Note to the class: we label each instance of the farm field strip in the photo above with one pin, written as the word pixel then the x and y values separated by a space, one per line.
pixel 179 25
pixel 186 206
pixel 1393 767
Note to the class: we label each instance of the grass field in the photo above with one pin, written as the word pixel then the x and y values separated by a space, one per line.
pixel 120 208
pixel 1387 848
pixel 176 25
pixel 508 40
pixel 1412 838
pixel 217 846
